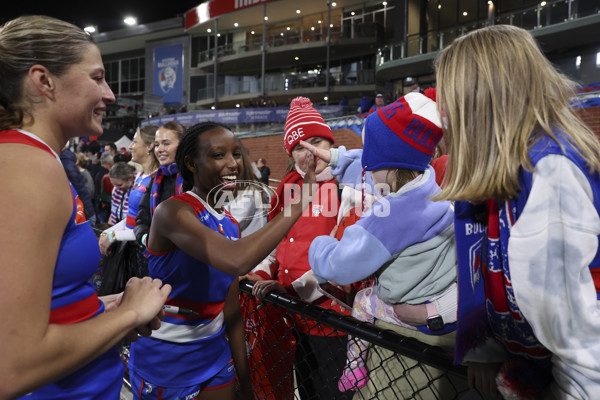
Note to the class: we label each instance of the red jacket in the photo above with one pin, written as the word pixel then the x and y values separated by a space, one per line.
pixel 292 252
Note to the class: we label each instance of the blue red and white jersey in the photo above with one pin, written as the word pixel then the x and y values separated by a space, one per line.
pixel 140 186
pixel 186 351
pixel 74 298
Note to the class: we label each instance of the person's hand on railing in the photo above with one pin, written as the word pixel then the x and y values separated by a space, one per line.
pixel 263 288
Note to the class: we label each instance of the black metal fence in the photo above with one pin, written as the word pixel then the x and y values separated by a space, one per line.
pixel 287 363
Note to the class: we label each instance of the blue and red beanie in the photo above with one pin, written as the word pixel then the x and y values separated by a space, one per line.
pixel 403 134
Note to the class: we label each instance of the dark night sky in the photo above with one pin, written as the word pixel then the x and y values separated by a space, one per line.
pixel 107 14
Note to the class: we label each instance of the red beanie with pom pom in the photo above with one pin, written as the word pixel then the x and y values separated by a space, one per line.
pixel 303 122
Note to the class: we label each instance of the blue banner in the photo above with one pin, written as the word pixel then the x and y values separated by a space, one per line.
pixel 168 73
pixel 256 115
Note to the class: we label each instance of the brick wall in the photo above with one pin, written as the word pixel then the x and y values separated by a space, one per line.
pixel 271 149
pixel 591 116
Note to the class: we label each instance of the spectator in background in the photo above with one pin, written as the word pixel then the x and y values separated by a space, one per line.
pixel 121 157
pixel 121 176
pixel 69 162
pixel 378 104
pixel 82 161
pixel 265 171
pixel 124 256
pixel 166 182
pixel 365 104
pixel 111 148
pixel 103 188
pixel 413 85
pixel 250 205
pixel 93 155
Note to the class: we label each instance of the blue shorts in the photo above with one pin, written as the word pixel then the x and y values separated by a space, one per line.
pixel 142 389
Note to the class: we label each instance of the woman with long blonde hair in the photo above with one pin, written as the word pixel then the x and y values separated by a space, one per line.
pixel 523 171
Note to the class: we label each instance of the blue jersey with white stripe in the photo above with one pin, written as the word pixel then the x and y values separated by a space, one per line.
pixel 74 299
pixel 187 351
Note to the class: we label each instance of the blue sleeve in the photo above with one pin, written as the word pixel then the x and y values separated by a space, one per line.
pixel 355 257
pixel 347 169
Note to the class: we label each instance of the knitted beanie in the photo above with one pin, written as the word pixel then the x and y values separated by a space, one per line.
pixel 403 134
pixel 303 122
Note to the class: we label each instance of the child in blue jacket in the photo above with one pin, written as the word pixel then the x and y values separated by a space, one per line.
pixel 404 239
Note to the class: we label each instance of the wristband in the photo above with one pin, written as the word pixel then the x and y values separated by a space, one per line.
pixel 143 240
pixel 111 236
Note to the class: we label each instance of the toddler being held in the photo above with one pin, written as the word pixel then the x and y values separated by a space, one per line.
pixel 404 239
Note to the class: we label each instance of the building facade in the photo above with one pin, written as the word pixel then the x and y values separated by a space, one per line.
pixel 229 54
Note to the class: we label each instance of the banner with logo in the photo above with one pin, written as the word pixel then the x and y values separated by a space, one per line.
pixel 234 116
pixel 168 73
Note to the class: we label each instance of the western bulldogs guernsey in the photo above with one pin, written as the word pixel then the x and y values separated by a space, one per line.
pixel 186 351
pixel 140 185
pixel 74 299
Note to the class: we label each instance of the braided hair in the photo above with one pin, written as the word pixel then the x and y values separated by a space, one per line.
pixel 188 146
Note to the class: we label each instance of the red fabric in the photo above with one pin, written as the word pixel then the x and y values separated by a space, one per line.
pixel 292 252
pixel 293 178
pixel 79 311
pixel 79 213
pixel 271 350
pixel 12 136
pixel 346 221
pixel 439 165
pixel 596 277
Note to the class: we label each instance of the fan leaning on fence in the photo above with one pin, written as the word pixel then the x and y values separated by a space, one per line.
pixel 287 270
pixel 404 238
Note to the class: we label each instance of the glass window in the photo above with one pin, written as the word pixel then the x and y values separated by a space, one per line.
pixel 125 70
pixel 134 69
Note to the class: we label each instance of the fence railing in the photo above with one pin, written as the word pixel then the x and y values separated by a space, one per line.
pixel 400 367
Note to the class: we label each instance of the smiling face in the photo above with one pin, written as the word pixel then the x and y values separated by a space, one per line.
pixel 165 146
pixel 218 162
pixel 299 153
pixel 82 95
pixel 139 150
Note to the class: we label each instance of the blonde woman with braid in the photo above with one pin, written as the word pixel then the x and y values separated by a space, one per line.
pixel 142 153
